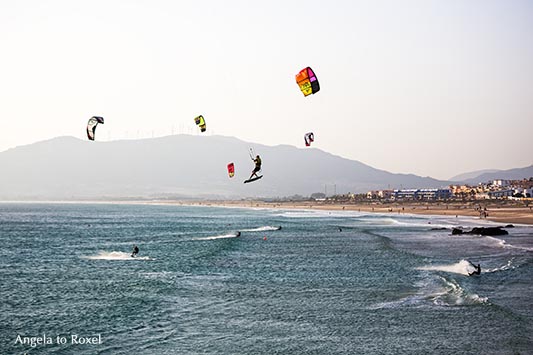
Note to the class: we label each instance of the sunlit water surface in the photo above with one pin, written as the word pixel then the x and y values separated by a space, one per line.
pixel 326 283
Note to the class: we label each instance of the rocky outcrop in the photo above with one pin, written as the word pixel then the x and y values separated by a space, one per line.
pixel 490 231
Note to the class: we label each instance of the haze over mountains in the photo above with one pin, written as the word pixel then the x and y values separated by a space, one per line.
pixel 472 175
pixel 182 166
pixel 488 175
pixel 186 166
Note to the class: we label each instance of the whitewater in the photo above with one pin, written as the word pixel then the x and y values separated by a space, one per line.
pixel 210 280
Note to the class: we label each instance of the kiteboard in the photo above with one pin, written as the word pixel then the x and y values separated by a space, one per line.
pixel 253 179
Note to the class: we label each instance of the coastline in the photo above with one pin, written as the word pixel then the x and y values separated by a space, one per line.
pixel 496 213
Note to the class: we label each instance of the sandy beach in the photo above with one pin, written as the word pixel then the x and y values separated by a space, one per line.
pixel 496 212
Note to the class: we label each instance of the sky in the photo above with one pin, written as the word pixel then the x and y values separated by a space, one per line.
pixel 431 87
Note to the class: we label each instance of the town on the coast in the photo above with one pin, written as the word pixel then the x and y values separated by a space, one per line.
pixel 495 192
pixel 518 190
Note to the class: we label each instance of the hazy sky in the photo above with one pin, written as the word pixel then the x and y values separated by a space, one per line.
pixel 428 87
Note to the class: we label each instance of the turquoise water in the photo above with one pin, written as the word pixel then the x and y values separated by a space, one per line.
pixel 385 284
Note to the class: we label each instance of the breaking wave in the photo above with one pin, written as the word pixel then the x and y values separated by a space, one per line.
pixel 503 244
pixel 438 291
pixel 318 213
pixel 453 294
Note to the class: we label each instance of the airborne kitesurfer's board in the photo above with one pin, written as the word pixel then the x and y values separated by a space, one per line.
pixel 253 179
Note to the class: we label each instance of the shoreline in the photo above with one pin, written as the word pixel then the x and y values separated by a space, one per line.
pixel 498 214
pixel 496 211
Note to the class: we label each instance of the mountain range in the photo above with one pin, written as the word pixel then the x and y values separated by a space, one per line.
pixel 181 166
pixel 188 166
pixel 474 178
pixel 472 175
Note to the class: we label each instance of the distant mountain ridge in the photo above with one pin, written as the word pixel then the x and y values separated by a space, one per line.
pixel 182 166
pixel 472 175
pixel 510 174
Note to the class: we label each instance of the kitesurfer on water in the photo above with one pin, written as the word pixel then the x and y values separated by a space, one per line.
pixel 135 251
pixel 257 162
pixel 477 271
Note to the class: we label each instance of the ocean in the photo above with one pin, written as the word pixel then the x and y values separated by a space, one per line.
pixel 325 283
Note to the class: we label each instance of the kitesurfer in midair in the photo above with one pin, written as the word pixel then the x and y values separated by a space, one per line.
pixel 257 162
pixel 135 251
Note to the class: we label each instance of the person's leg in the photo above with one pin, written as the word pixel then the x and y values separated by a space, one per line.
pixel 254 172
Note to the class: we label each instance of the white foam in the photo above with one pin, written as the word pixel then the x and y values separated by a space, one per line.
pixel 499 242
pixel 410 301
pixel 261 229
pixel 454 295
pixel 416 223
pixel 116 255
pixel 508 266
pixel 435 291
pixel 233 235
pixel 318 213
pixel 503 244
pixel 463 267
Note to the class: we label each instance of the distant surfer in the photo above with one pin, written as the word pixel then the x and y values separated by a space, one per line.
pixel 257 162
pixel 135 251
pixel 477 271
pixel 238 234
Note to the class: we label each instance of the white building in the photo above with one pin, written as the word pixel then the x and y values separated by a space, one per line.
pixel 422 194
pixel 501 193
pixel 385 194
pixel 500 183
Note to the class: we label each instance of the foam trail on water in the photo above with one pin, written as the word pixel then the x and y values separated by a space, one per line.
pixel 463 267
pixel 261 229
pixel 508 266
pixel 225 236
pixel 115 255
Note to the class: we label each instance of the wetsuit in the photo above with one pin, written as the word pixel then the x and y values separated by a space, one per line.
pixel 477 272
pixel 257 166
pixel 135 251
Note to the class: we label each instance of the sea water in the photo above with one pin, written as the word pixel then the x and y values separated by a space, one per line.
pixel 326 283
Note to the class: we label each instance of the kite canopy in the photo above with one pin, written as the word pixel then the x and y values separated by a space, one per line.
pixel 309 137
pixel 91 126
pixel 307 81
pixel 231 170
pixel 200 122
